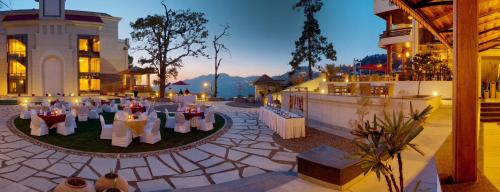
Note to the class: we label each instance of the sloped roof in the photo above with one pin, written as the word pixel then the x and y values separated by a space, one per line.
pixel 437 17
pixel 265 80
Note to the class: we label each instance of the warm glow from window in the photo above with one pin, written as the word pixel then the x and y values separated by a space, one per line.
pixel 83 45
pixel 84 84
pixel 84 65
pixel 95 65
pixel 17 47
pixel 95 84
pixel 96 47
pixel 16 68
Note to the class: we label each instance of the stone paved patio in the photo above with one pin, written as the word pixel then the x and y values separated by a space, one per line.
pixel 247 149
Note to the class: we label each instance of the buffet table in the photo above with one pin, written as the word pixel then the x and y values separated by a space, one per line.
pixel 288 125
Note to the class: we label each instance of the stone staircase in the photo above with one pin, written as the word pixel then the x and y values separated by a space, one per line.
pixel 490 112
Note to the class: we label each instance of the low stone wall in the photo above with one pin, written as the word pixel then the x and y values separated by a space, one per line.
pixel 334 113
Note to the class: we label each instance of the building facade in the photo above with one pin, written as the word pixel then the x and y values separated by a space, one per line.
pixel 50 50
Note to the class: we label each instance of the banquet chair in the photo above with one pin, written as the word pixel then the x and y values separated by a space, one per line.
pixel 58 105
pixel 169 120
pixel 83 114
pixel 99 109
pixel 68 126
pixel 121 135
pixel 38 126
pixel 152 135
pixel 212 110
pixel 106 129
pixel 93 114
pixel 181 124
pixel 207 123
pixel 25 114
pixel 127 110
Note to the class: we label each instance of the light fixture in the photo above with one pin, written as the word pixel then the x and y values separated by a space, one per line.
pixel 323 91
pixel 399 55
pixel 407 44
pixel 205 84
pixel 410 17
pixel 435 93
pixel 25 101
pixel 347 80
pixel 407 54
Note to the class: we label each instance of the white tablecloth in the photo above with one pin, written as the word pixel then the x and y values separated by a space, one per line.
pixel 287 128
pixel 185 98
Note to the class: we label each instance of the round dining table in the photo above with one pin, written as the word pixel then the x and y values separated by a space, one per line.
pixel 52 119
pixel 193 117
pixel 136 125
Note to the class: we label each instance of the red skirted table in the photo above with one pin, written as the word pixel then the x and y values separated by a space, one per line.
pixel 51 120
pixel 136 109
pixel 191 115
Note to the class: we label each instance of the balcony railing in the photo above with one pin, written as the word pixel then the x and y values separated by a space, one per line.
pixel 396 32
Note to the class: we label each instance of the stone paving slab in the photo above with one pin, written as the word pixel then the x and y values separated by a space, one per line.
pixel 247 149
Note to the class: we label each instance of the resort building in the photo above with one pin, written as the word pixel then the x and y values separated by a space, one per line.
pixel 51 50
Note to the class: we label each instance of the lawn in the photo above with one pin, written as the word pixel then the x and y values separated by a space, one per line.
pixel 8 102
pixel 86 137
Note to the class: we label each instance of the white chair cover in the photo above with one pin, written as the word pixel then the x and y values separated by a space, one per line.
pixel 206 124
pixel 25 114
pixel 153 135
pixel 93 114
pixel 169 120
pixel 68 126
pixel 83 114
pixel 106 129
pixel 121 135
pixel 38 126
pixel 181 125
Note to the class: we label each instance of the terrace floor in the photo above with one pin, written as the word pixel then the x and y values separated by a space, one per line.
pixel 247 149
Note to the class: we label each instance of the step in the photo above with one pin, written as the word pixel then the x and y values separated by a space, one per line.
pixel 491 104
pixel 490 114
pixel 490 119
pixel 490 109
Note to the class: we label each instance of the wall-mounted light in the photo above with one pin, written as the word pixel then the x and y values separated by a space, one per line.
pixel 435 93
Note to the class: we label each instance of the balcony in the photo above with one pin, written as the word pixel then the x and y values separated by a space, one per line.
pixel 395 36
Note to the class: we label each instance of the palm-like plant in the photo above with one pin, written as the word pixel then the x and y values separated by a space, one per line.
pixel 386 138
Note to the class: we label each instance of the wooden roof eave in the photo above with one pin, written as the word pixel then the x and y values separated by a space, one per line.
pixel 417 15
pixel 489 45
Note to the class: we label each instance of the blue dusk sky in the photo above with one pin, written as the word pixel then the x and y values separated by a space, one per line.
pixel 263 32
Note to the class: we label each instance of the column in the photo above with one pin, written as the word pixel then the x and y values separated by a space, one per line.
pixel 388 28
pixel 465 97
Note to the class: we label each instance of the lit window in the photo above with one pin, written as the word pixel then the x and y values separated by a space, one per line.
pixel 84 84
pixel 83 45
pixel 16 68
pixel 84 65
pixel 17 47
pixel 96 45
pixel 95 84
pixel 95 66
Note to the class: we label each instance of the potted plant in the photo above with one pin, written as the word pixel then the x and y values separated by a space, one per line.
pixel 114 188
pixel 74 184
pixel 384 139
pixel 111 180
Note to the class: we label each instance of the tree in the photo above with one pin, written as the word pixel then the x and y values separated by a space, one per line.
pixel 169 38
pixel 311 45
pixel 218 48
pixel 424 64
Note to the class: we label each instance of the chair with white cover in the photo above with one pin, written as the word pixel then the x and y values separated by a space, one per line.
pixel 68 126
pixel 38 126
pixel 152 135
pixel 93 114
pixel 83 114
pixel 106 129
pixel 121 135
pixel 169 120
pixel 181 124
pixel 25 114
pixel 207 123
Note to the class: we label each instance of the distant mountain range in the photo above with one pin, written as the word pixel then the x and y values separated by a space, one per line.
pixel 229 86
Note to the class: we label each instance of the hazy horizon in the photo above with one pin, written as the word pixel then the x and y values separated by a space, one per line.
pixel 263 31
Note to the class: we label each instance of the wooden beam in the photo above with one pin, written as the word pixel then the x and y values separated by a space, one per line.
pixel 424 4
pixel 405 5
pixel 441 16
pixel 465 90
pixel 487 37
pixel 489 45
pixel 488 29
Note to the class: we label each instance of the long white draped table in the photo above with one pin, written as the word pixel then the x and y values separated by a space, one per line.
pixel 287 128
pixel 185 98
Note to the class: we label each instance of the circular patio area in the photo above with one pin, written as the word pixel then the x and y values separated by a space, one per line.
pixel 86 138
pixel 246 149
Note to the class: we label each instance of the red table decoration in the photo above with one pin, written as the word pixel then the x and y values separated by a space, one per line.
pixel 136 109
pixel 190 115
pixel 51 120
